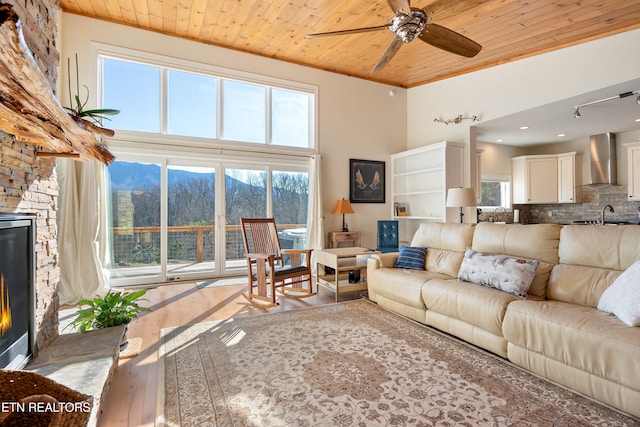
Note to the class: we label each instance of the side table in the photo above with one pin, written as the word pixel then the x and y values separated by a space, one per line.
pixel 342 260
pixel 337 237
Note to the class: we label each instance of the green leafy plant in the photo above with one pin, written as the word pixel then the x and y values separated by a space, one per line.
pixel 115 308
pixel 77 105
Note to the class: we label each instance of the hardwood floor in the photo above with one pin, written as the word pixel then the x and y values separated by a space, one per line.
pixel 131 400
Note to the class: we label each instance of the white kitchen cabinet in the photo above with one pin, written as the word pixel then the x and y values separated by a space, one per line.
pixel 633 170
pixel 569 178
pixel 535 179
pixel 420 178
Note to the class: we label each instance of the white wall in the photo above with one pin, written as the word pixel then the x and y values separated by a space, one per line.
pixel 356 118
pixel 517 86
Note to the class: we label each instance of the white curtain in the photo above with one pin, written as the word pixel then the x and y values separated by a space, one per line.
pixel 315 217
pixel 82 230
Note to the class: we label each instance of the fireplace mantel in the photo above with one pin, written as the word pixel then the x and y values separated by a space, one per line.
pixel 29 110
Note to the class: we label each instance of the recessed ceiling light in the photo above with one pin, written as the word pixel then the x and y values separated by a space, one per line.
pixel 562 134
pixel 524 127
pixel 637 120
pixel 499 140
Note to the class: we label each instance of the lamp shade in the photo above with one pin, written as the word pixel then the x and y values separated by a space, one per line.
pixel 459 197
pixel 343 207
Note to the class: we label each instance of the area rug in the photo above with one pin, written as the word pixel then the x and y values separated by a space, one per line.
pixel 351 364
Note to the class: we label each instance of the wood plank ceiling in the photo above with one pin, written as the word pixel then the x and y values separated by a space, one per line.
pixel 508 30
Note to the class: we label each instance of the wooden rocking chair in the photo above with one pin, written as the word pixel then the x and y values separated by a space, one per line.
pixel 267 269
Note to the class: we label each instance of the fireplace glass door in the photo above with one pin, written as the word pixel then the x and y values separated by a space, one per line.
pixel 16 283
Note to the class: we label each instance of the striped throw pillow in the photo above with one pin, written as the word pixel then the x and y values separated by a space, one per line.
pixel 411 258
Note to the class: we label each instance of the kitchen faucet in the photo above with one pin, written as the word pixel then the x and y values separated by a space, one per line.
pixel 495 212
pixel 604 209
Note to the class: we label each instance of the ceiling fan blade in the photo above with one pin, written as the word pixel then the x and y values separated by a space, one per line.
pixel 446 39
pixel 343 32
pixel 393 48
pixel 401 6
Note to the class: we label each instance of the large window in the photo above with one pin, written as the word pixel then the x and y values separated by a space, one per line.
pixel 162 99
pixel 182 221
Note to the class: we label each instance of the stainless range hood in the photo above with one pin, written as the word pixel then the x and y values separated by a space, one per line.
pixel 604 162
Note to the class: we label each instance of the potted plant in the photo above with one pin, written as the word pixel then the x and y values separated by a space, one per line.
pixel 114 309
pixel 89 119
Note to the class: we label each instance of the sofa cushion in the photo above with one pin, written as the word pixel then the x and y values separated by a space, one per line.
pixel 539 283
pixel 578 284
pixel 444 261
pixel 534 241
pixel 582 337
pixel 402 286
pixel 508 274
pixel 444 235
pixel 411 258
pixel 614 248
pixel 622 298
pixel 471 303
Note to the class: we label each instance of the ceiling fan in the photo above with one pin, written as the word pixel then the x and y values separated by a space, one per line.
pixel 409 23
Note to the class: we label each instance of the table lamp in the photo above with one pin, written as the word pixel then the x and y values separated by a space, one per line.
pixel 461 197
pixel 343 207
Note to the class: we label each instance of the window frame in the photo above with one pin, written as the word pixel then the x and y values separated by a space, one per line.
pixel 507 199
pixel 165 63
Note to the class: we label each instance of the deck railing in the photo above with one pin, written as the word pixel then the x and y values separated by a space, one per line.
pixel 136 245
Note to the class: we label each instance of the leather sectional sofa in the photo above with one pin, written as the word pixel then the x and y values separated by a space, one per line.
pixel 557 331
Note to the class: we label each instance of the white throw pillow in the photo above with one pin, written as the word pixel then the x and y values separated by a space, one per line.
pixel 505 273
pixel 622 298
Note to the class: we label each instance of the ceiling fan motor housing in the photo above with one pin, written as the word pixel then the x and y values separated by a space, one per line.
pixel 406 27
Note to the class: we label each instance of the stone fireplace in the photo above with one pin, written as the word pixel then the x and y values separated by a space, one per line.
pixel 33 128
pixel 28 185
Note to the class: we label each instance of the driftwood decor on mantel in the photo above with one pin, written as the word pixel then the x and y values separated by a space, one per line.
pixel 28 108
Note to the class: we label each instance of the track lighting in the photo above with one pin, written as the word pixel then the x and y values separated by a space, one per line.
pixel 457 120
pixel 577 108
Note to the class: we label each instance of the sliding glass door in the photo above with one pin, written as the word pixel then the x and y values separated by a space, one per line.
pixel 175 221
pixel 245 196
pixel 191 213
pixel 135 217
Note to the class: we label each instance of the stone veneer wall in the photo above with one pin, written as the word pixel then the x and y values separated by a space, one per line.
pixel 28 184
pixel 593 200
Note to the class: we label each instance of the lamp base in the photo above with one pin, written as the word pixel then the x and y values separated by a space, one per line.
pixel 344 224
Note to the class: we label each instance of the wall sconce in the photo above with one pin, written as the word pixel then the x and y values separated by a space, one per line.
pixel 457 120
pixel 576 109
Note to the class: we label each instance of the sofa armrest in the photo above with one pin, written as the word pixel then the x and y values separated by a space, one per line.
pixel 385 260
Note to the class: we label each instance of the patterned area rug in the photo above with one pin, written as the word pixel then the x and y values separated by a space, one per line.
pixel 351 364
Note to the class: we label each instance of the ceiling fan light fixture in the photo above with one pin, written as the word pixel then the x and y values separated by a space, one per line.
pixel 408 27
pixel 409 23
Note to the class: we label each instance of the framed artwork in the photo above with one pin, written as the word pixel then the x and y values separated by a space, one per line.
pixel 366 181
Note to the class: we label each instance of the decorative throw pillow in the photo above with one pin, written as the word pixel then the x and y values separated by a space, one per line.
pixel 622 298
pixel 508 274
pixel 411 257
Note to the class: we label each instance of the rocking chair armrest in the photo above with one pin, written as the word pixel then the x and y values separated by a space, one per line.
pixel 297 256
pixel 253 256
pixel 296 251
